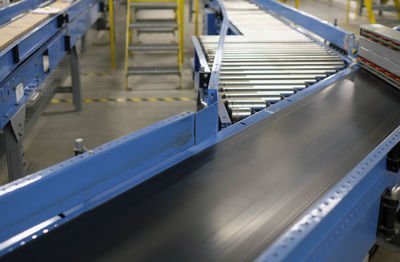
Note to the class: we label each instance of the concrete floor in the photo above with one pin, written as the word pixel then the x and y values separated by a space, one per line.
pixel 51 138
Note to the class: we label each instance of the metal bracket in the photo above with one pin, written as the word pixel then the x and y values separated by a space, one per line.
pixel 103 7
pixel 80 147
pixel 388 231
pixel 393 159
pixel 18 123
pixel 15 53
pixel 12 135
pixel 218 15
pixel 67 41
pixel 61 19
pixel 387 213
pixel 204 80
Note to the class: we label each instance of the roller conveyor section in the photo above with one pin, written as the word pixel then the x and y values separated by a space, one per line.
pixel 276 64
pixel 232 200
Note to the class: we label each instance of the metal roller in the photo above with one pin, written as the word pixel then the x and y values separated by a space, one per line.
pixel 291 82
pixel 266 97
pixel 238 114
pixel 246 101
pixel 293 69
pixel 256 71
pixel 261 88
pixel 284 63
pixel 275 72
pixel 255 107
pixel 288 77
pixel 281 59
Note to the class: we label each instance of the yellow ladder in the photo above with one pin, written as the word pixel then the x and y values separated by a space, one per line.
pixel 153 26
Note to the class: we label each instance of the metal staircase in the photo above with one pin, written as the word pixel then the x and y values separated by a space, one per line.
pixel 136 26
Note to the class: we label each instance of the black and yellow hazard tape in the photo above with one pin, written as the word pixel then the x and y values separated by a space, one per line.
pixel 122 100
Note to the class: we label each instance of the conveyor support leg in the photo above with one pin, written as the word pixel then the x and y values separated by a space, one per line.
pixel 75 79
pixel 12 143
pixel 83 44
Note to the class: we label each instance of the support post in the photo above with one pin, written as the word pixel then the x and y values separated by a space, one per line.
pixel 83 44
pixel 75 79
pixel 12 134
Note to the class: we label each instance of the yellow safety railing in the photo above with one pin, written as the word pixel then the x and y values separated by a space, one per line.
pixel 296 3
pixel 370 11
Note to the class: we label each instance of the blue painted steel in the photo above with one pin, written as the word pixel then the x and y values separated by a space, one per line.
pixel 27 44
pixel 201 63
pixel 212 25
pixel 82 15
pixel 347 211
pixel 29 74
pixel 48 38
pixel 110 170
pixel 330 32
pixel 206 123
pixel 136 157
pixel 7 13
pixel 90 179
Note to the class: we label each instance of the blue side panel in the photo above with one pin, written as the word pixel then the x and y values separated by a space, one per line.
pixel 34 41
pixel 28 76
pixel 81 182
pixel 333 34
pixel 26 46
pixel 211 24
pixel 56 51
pixel 206 123
pixel 89 12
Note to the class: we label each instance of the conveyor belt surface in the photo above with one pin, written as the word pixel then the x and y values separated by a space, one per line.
pixel 229 202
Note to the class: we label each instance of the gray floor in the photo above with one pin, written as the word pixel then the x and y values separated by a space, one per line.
pixel 50 140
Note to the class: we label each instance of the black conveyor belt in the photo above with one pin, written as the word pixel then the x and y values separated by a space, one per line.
pixel 232 200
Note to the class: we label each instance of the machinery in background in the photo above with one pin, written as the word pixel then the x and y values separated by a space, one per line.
pixel 378 52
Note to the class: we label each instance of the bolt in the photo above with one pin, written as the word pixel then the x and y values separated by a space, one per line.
pixel 205 75
pixel 205 85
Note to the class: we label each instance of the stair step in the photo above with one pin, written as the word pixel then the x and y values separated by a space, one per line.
pixel 155 31
pixel 154 25
pixel 154 5
pixel 154 47
pixel 153 70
